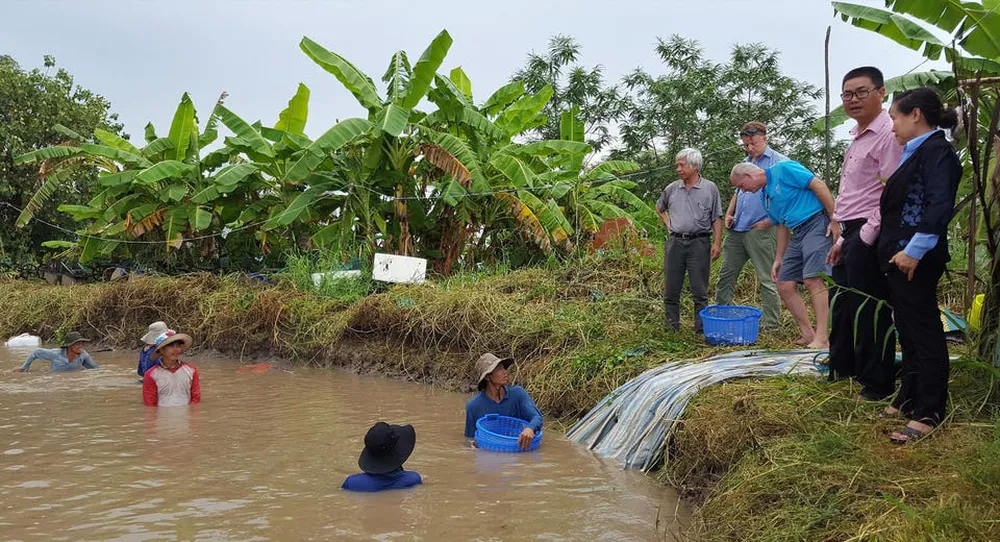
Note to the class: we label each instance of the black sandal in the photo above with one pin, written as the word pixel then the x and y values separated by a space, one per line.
pixel 911 434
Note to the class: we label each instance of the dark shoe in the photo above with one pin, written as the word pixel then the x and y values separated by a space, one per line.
pixel 868 395
pixel 906 435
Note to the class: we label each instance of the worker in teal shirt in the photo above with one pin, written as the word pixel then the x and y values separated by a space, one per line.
pixel 496 397
pixel 70 356
pixel 387 447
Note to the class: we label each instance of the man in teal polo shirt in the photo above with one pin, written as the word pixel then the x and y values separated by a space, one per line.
pixel 800 204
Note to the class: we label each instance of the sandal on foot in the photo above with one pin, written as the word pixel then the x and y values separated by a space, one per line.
pixel 911 434
pixel 885 414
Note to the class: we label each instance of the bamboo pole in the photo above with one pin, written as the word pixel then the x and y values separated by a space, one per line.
pixel 826 148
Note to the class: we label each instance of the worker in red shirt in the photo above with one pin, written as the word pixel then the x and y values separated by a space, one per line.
pixel 172 382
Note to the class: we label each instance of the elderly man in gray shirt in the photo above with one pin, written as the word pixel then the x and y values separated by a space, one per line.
pixel 692 210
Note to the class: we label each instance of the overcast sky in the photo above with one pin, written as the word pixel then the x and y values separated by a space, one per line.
pixel 142 55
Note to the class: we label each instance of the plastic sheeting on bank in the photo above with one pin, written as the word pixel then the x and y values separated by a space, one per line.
pixel 632 423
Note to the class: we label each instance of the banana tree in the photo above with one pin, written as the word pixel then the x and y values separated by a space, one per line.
pixel 392 139
pixel 163 193
pixel 475 197
pixel 422 170
pixel 583 198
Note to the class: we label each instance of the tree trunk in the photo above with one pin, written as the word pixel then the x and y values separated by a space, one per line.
pixel 454 232
pixel 405 247
pixel 826 131
pixel 989 320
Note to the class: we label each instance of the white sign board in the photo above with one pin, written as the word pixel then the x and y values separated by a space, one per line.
pixel 399 269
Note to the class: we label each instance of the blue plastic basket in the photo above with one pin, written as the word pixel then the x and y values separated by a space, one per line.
pixel 730 324
pixel 499 434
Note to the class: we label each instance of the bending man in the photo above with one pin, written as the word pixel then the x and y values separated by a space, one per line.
pixel 800 204
pixel 751 236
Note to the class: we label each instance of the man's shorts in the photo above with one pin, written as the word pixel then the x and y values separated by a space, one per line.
pixel 805 257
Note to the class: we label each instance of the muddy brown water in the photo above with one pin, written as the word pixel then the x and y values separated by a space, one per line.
pixel 263 456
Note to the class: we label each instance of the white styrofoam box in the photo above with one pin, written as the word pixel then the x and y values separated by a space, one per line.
pixel 23 340
pixel 399 269
pixel 334 275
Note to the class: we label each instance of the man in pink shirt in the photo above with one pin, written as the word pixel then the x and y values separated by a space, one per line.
pixel 868 352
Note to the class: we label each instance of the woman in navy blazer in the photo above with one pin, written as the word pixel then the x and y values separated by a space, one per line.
pixel 916 206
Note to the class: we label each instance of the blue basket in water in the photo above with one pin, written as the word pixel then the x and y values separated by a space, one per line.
pixel 730 324
pixel 499 434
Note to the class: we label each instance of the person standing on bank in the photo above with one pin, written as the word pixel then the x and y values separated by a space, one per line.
pixel 692 211
pixel 70 356
pixel 497 397
pixel 915 209
pixel 867 350
pixel 751 235
pixel 799 203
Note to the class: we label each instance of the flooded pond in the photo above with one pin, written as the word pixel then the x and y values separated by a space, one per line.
pixel 263 456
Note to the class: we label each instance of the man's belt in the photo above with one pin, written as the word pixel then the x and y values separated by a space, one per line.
pixel 690 235
pixel 849 226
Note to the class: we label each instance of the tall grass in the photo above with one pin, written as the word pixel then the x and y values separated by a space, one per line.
pixel 303 270
pixel 801 459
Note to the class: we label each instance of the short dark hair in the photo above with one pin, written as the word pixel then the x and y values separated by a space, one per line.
pixel 871 72
pixel 753 128
pixel 929 103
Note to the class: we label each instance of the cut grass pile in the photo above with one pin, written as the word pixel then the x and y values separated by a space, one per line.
pixel 800 459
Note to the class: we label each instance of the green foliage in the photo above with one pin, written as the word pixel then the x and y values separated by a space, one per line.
pixel 300 268
pixel 977 24
pixel 461 184
pixel 42 109
pixel 293 118
pixel 702 104
pixel 573 86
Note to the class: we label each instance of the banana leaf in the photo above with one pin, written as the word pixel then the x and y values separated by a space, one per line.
pixel 359 84
pixel 293 118
pixel 425 69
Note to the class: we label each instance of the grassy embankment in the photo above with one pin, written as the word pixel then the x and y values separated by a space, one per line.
pixel 782 459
